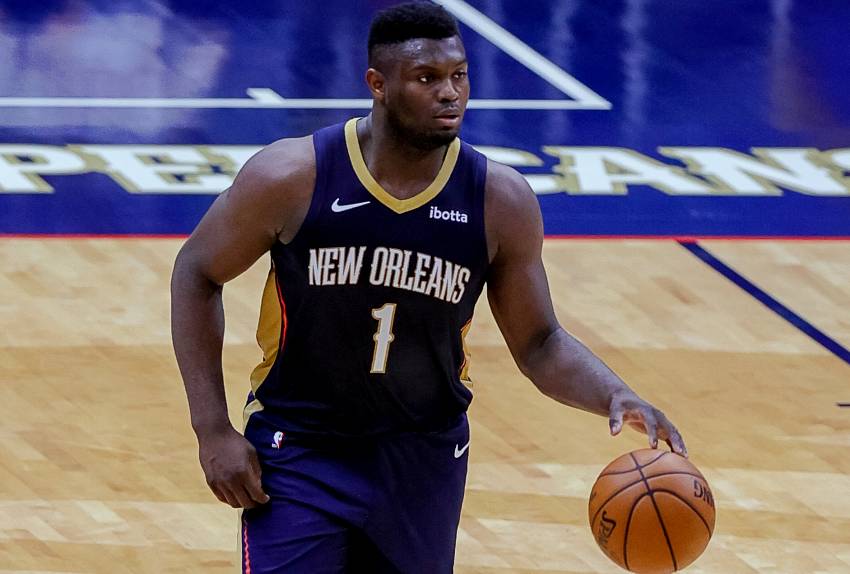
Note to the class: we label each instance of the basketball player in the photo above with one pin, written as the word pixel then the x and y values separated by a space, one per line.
pixel 382 233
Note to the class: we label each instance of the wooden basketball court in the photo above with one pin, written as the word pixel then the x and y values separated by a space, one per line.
pixel 98 464
pixel 121 121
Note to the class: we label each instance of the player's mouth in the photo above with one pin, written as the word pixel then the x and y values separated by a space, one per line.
pixel 448 120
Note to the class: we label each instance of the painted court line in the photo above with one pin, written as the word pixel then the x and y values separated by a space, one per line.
pixel 771 303
pixel 525 55
pixel 269 100
pixel 581 97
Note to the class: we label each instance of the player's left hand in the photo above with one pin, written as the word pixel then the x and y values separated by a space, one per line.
pixel 643 417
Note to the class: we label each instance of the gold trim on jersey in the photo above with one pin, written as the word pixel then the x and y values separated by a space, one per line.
pixel 355 154
pixel 464 368
pixel 269 337
pixel 254 406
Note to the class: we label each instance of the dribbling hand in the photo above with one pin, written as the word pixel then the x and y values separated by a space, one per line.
pixel 645 418
pixel 232 468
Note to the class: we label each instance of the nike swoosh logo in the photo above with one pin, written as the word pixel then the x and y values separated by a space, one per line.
pixel 337 208
pixel 459 451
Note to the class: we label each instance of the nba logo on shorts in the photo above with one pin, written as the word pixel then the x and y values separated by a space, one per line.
pixel 278 439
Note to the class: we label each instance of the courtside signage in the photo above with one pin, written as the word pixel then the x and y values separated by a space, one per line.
pixel 605 171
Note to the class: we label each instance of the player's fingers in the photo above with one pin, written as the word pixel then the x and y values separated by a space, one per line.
pixel 668 432
pixel 229 496
pixel 254 488
pixel 674 439
pixel 651 425
pixel 254 483
pixel 244 497
pixel 217 488
pixel 615 419
pixel 218 494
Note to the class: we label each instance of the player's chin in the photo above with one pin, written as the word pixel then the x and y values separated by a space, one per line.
pixel 446 133
pixel 436 138
pixel 444 138
pixel 447 124
pixel 449 133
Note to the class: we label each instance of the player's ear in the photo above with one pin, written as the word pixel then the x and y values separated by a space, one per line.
pixel 377 83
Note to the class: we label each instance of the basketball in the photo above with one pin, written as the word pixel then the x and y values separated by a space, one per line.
pixel 651 511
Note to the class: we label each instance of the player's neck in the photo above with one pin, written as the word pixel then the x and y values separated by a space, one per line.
pixel 402 169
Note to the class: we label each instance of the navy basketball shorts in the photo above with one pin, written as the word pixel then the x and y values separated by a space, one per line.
pixel 381 505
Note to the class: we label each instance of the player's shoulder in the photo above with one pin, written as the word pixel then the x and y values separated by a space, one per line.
pixel 511 212
pixel 275 185
pixel 506 188
pixel 284 162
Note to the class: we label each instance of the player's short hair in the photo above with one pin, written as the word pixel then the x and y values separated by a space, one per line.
pixel 409 21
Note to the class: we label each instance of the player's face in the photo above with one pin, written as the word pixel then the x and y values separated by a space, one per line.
pixel 427 91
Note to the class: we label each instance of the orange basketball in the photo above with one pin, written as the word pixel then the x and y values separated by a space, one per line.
pixel 651 512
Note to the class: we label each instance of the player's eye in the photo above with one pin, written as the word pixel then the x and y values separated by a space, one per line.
pixel 425 78
pixel 460 74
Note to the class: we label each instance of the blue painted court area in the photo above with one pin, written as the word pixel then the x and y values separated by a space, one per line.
pixel 796 320
pixel 636 117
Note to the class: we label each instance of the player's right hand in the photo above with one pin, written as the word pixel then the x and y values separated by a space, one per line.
pixel 232 468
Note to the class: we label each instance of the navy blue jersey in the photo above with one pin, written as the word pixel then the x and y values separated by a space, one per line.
pixel 365 311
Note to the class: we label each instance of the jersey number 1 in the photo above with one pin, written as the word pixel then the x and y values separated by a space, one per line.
pixel 383 336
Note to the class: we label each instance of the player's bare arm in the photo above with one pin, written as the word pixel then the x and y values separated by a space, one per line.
pixel 266 203
pixel 559 365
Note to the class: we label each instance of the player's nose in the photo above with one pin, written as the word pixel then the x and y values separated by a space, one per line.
pixel 448 92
